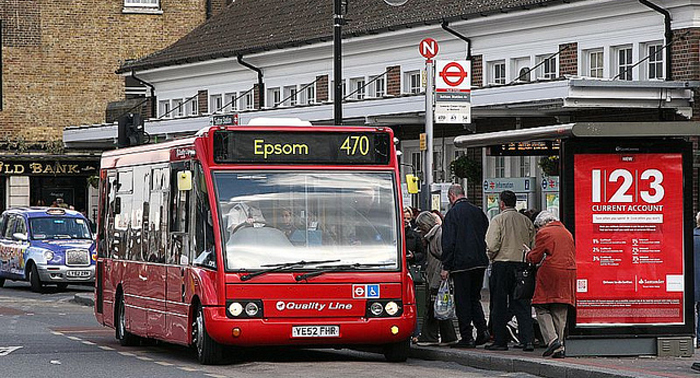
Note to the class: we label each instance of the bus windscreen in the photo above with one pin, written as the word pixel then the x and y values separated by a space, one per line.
pixel 295 147
pixel 278 217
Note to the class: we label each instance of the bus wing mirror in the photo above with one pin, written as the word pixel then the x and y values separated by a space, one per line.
pixel 184 180
pixel 412 183
pixel 20 236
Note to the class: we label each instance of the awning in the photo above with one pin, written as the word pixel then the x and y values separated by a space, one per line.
pixel 581 130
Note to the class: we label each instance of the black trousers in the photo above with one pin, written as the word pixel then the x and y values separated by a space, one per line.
pixel 502 283
pixel 467 292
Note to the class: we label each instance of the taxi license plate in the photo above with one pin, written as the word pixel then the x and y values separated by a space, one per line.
pixel 316 331
pixel 78 273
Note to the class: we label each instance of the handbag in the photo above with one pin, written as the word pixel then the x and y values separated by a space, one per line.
pixel 525 275
pixel 444 306
pixel 417 274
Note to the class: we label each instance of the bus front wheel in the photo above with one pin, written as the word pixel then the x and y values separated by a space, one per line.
pixel 397 352
pixel 209 352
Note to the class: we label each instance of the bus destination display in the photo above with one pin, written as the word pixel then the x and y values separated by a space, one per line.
pixel 296 147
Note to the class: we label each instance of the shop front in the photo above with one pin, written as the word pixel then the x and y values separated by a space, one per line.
pixel 46 180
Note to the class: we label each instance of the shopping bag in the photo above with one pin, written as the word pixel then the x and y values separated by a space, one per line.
pixel 444 307
pixel 524 281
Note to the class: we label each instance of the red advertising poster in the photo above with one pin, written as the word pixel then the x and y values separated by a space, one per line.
pixel 629 239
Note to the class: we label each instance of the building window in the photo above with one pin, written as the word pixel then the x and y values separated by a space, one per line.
pixel 413 82
pixel 273 97
pixel 498 72
pixel 141 3
pixel 595 63
pixel 357 85
pixel 332 93
pixel 525 166
pixel 192 106
pixel 178 110
pixel 230 102
pixel 655 62
pixel 308 94
pixel 500 167
pixel 216 103
pixel 624 63
pixel 548 68
pixel 249 101
pixel 379 86
pixel 290 94
pixel 164 109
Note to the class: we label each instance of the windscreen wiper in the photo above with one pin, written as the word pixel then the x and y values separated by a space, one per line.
pixel 283 266
pixel 336 268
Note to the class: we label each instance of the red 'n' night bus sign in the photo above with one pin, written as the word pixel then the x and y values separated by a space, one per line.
pixel 629 239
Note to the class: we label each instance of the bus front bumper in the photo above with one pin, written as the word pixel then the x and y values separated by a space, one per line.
pixel 275 332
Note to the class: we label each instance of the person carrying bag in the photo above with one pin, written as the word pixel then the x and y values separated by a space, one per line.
pixel 525 279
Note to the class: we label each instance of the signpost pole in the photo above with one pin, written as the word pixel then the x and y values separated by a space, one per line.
pixel 428 167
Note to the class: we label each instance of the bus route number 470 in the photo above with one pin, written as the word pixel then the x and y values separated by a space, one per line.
pixel 354 144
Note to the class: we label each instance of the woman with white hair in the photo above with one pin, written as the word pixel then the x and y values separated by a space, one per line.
pixel 556 279
pixel 433 331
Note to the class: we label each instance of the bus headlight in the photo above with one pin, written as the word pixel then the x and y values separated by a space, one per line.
pixel 376 308
pixel 251 309
pixel 48 255
pixel 235 309
pixel 391 308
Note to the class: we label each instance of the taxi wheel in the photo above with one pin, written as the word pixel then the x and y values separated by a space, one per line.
pixel 209 352
pixel 2 282
pixel 34 280
pixel 397 352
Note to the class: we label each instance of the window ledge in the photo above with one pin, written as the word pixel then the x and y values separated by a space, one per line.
pixel 141 10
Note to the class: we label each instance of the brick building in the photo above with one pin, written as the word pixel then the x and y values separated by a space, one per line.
pixel 58 64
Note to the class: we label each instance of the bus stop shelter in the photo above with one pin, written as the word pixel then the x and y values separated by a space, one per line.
pixel 626 195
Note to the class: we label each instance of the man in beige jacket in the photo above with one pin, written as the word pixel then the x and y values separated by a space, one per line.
pixel 507 233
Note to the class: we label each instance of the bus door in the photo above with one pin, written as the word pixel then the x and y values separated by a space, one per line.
pixel 178 256
pixel 104 285
pixel 151 270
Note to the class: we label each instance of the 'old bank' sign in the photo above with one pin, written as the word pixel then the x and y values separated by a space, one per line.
pixel 55 168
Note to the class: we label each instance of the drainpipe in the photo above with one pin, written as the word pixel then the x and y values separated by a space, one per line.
pixel 261 85
pixel 668 34
pixel 446 27
pixel 153 93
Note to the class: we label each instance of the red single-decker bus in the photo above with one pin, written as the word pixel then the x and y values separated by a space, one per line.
pixel 256 236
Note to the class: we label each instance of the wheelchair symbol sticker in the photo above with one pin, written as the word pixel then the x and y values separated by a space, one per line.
pixel 365 291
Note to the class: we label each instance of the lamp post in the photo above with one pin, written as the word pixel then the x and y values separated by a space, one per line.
pixel 338 22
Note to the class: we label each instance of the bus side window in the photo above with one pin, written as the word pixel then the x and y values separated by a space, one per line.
pixel 179 251
pixel 205 253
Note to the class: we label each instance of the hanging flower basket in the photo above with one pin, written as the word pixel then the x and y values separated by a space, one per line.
pixel 94 181
pixel 466 168
pixel 550 165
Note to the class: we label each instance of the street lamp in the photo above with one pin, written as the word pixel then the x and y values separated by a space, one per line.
pixel 338 22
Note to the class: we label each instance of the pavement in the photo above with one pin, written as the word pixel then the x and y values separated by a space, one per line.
pixel 516 360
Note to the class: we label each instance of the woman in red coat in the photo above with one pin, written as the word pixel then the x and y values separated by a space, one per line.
pixel 555 284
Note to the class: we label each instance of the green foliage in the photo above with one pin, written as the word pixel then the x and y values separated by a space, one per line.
pixel 465 167
pixel 550 165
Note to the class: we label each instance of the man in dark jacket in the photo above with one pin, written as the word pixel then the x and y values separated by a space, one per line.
pixel 464 259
